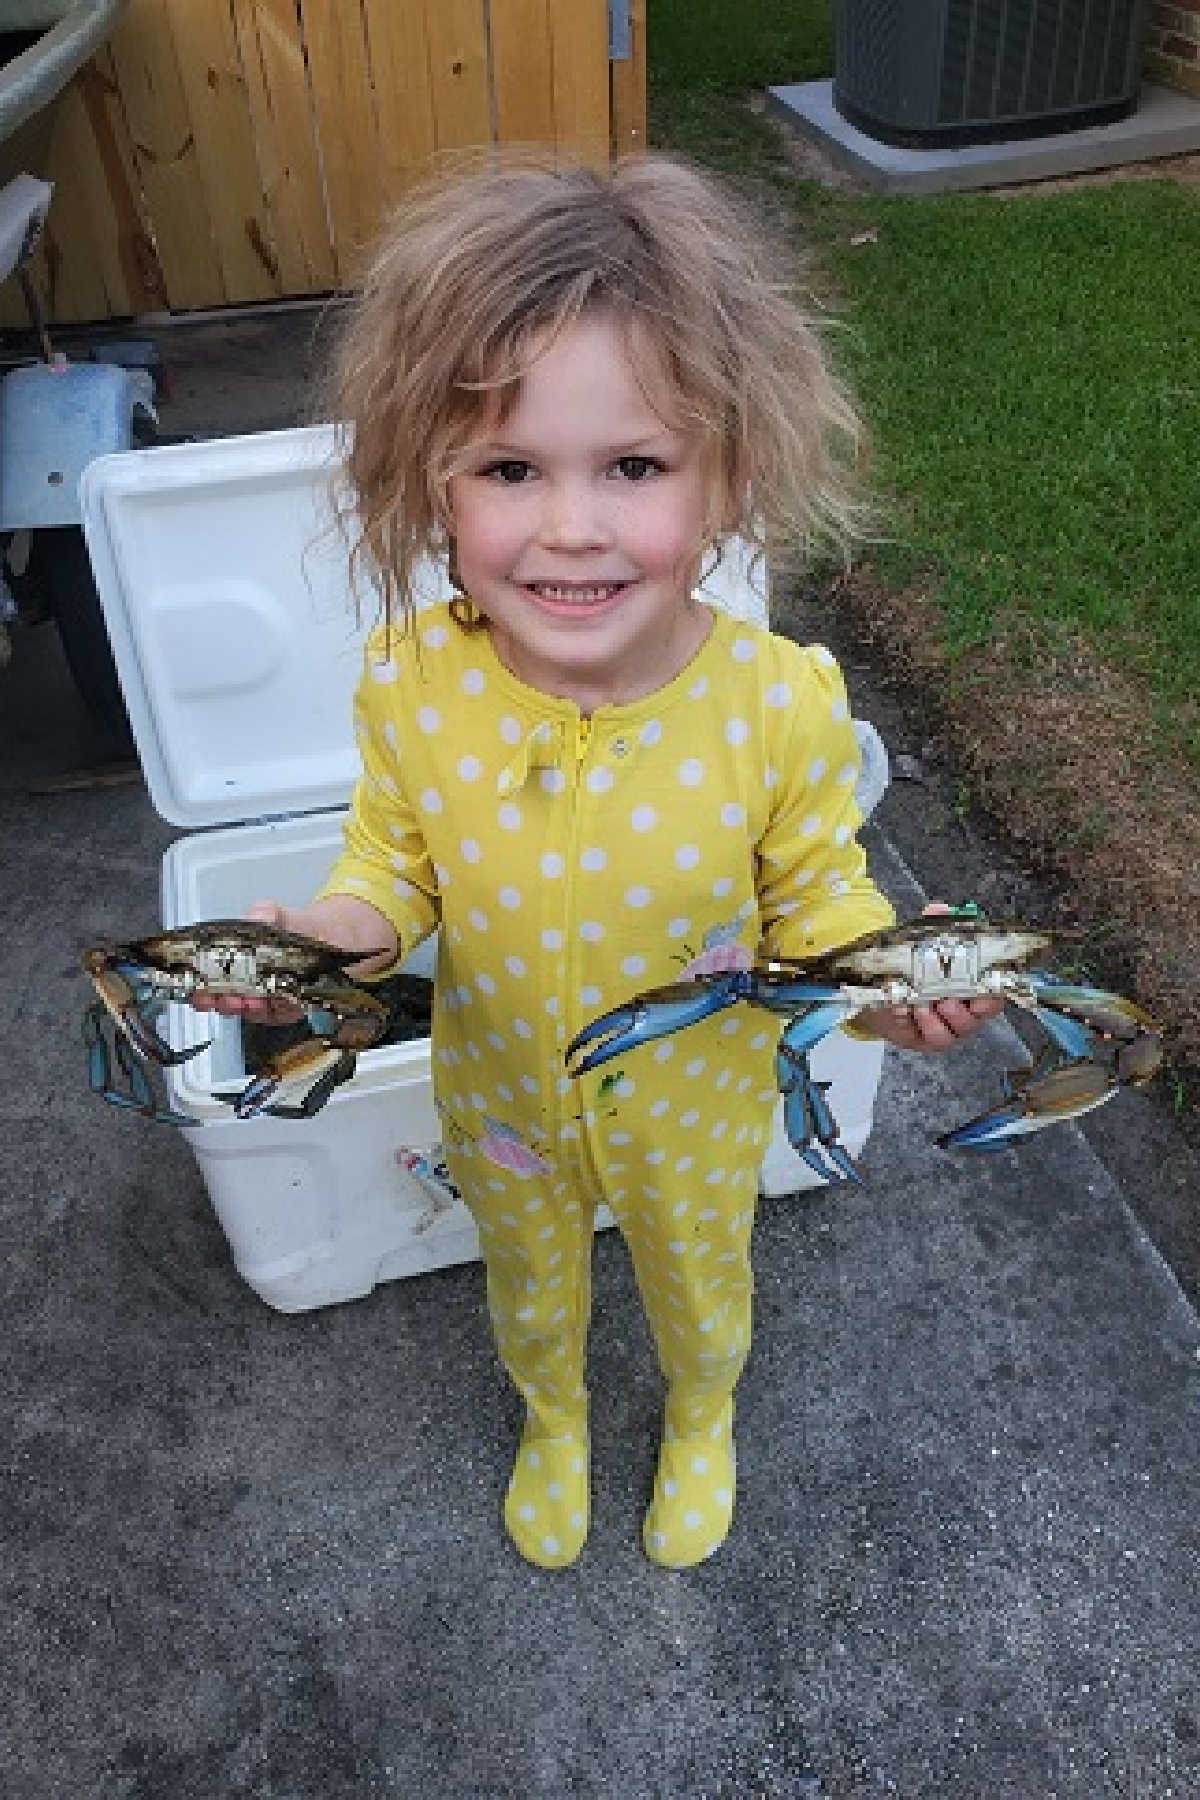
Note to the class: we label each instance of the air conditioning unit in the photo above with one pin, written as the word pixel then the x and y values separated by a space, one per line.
pixel 936 73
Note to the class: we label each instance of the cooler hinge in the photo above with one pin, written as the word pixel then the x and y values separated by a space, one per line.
pixel 620 30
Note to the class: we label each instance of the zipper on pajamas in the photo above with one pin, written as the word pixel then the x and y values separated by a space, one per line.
pixel 572 960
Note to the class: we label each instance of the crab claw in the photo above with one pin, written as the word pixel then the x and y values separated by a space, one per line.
pixel 808 1117
pixel 320 1067
pixel 1066 1092
pixel 122 1002
pixel 349 1018
pixel 140 1095
pixel 654 1014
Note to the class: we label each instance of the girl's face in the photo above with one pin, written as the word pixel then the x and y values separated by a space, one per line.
pixel 578 522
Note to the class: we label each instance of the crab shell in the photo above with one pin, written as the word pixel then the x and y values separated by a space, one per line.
pixel 942 955
pixel 229 956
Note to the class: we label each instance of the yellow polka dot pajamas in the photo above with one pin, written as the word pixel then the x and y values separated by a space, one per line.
pixel 571 862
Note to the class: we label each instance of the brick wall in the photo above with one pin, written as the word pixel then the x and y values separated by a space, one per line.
pixel 1173 43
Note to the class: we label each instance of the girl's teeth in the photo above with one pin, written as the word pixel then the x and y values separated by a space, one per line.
pixel 583 595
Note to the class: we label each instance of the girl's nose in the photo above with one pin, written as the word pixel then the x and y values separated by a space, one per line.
pixel 573 518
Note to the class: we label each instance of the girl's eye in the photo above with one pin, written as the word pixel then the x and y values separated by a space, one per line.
pixel 636 468
pixel 510 470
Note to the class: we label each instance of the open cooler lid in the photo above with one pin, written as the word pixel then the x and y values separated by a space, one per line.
pixel 223 578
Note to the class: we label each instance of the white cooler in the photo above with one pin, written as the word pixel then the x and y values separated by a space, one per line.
pixel 239 644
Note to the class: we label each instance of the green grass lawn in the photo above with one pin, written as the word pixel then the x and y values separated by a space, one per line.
pixel 1030 368
pixel 738 43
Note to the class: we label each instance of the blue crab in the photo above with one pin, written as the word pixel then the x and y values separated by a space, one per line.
pixel 1098 1042
pixel 134 981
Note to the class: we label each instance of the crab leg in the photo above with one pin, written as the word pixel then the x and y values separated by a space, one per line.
pixel 140 1089
pixel 654 1014
pixel 808 1118
pixel 1067 1092
pixel 1088 1022
pixel 1106 1044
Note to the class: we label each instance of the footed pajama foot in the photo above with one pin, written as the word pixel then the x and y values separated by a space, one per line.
pixel 692 1508
pixel 546 1507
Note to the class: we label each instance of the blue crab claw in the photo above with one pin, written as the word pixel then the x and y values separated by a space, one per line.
pixel 320 1067
pixel 1035 1101
pixel 1090 1024
pixel 654 1014
pixel 123 999
pixel 808 1118
pixel 139 1096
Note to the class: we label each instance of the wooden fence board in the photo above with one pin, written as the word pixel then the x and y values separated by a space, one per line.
pixel 344 107
pixel 579 48
pixel 628 89
pixel 522 71
pixel 458 73
pixel 272 54
pixel 131 226
pixel 218 109
pixel 399 49
pixel 92 282
pixel 143 53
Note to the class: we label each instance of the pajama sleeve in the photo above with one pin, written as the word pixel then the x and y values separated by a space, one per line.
pixel 814 890
pixel 386 860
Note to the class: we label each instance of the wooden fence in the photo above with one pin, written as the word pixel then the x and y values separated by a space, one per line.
pixel 223 152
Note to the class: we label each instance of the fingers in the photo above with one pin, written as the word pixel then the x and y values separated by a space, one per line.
pixel 921 1027
pixel 949 1023
pixel 935 1028
pixel 942 1026
pixel 266 1009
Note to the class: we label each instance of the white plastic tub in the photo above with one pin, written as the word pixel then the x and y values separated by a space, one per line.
pixel 238 646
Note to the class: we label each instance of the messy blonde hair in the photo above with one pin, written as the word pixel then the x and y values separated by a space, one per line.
pixel 479 270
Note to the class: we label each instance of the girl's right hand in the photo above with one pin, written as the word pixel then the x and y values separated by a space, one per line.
pixel 353 925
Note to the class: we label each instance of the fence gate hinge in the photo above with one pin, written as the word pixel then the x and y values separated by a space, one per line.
pixel 620 31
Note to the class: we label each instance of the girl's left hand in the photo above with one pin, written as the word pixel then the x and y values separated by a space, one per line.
pixel 938 1027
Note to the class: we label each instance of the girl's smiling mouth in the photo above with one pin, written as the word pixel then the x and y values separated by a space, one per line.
pixel 575 593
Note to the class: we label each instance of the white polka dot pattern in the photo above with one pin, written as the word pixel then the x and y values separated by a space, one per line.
pixel 677 844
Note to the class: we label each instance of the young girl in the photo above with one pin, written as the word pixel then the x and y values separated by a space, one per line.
pixel 576 385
